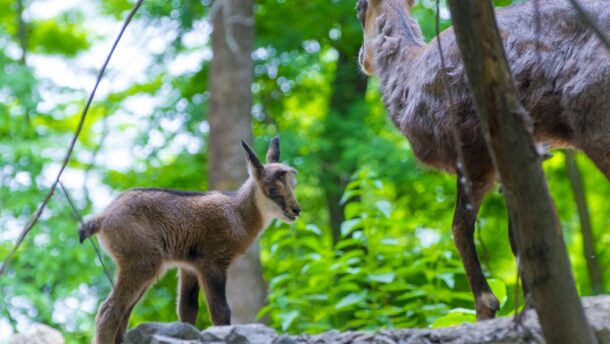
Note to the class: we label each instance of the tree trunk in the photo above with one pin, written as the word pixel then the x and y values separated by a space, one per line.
pixel 578 190
pixel 348 85
pixel 230 107
pixel 508 131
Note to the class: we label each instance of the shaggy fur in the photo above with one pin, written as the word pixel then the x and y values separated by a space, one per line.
pixel 562 75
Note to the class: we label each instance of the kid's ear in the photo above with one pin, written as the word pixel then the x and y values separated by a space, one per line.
pixel 273 153
pixel 254 165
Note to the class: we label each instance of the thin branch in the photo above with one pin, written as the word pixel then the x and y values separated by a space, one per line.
pixel 22 31
pixel 216 5
pixel 21 34
pixel 79 218
pixel 228 26
pixel 516 293
pixel 462 173
pixel 47 198
pixel 596 276
pixel 586 17
pixel 10 318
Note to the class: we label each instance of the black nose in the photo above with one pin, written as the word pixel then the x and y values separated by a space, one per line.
pixel 296 210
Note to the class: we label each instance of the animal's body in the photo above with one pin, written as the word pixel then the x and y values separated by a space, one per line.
pixel 562 74
pixel 146 231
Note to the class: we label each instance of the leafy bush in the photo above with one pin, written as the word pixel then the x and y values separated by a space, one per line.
pixel 381 274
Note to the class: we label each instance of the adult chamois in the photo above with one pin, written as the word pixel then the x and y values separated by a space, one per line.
pixel 147 230
pixel 562 74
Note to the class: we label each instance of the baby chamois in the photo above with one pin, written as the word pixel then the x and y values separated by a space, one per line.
pixel 147 230
pixel 562 74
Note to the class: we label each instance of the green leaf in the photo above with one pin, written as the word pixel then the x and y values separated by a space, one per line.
pixel 314 229
pixel 349 226
pixel 385 207
pixel 351 299
pixel 454 318
pixel 288 318
pixel 382 278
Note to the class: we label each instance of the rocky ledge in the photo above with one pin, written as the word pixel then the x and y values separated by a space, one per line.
pixel 497 331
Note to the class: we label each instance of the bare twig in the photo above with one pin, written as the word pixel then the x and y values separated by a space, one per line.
pixel 10 318
pixel 21 31
pixel 79 218
pixel 516 293
pixel 228 21
pixel 594 269
pixel 30 224
pixel 586 17
pixel 228 26
pixel 216 5
pixel 462 173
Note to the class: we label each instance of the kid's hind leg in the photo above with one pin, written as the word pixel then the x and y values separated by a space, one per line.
pixel 125 320
pixel 113 315
pixel 188 297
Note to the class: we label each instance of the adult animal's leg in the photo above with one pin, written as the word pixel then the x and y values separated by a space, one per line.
pixel 599 153
pixel 466 209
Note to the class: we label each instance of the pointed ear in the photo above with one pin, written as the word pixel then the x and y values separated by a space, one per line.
pixel 410 3
pixel 273 153
pixel 254 165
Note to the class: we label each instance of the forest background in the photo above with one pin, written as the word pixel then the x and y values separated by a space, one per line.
pixel 373 248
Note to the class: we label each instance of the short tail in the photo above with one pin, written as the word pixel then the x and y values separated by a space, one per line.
pixel 88 229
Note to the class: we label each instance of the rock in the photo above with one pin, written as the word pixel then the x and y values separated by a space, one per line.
pixel 240 334
pixel 216 334
pixel 285 339
pixel 38 334
pixel 162 332
pixel 497 331
pixel 161 339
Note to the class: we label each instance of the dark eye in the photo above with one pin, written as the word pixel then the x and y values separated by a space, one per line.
pixel 273 192
pixel 361 7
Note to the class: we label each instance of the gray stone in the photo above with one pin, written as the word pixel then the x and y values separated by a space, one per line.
pixel 497 331
pixel 251 334
pixel 161 339
pixel 216 334
pixel 143 334
pixel 285 339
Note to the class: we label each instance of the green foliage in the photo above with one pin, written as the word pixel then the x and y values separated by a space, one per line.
pixel 395 264
pixel 59 36
pixel 377 276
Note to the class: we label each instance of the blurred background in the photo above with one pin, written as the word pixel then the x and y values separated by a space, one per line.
pixel 373 248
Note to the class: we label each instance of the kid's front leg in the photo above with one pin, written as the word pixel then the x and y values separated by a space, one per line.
pixel 214 279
